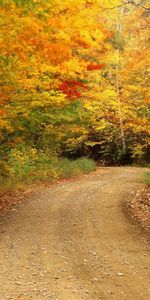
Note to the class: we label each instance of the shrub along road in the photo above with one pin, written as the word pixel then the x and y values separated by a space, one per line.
pixel 72 241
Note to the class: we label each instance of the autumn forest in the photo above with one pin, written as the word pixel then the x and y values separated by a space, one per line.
pixel 73 85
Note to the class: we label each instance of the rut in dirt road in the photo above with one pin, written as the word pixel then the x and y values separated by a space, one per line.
pixel 73 242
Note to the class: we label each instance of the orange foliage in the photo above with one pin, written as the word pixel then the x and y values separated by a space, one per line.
pixel 56 53
pixel 92 66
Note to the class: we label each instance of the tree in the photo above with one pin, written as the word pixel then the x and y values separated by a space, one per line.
pixel 72 84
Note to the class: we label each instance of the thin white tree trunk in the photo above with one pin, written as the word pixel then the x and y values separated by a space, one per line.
pixel 119 30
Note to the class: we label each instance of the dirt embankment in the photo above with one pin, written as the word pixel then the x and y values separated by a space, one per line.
pixel 138 207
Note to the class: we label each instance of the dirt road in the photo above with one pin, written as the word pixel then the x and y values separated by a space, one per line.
pixel 73 242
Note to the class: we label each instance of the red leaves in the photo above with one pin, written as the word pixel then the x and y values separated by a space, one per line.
pixel 92 67
pixel 72 88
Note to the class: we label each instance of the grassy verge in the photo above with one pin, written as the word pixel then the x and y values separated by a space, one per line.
pixel 146 178
pixel 44 169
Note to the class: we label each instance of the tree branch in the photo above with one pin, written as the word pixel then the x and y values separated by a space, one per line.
pixel 126 3
pixel 142 6
pixel 114 7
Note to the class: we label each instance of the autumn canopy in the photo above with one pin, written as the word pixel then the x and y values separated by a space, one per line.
pixel 74 80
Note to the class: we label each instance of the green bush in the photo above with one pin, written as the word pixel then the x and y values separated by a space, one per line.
pixel 72 168
pixel 66 168
pixel 85 164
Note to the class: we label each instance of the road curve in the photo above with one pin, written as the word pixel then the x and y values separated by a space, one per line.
pixel 73 242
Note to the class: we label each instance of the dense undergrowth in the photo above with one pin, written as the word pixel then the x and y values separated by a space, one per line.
pixel 26 167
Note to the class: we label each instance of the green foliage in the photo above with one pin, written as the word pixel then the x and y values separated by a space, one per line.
pixel 26 165
pixel 77 167
pixel 147 178
pixel 85 164
pixel 27 3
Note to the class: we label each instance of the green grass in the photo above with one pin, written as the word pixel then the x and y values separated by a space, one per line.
pixel 146 178
pixel 69 168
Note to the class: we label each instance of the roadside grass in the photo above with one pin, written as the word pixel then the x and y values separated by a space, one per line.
pixel 141 165
pixel 26 172
pixel 74 168
pixel 146 178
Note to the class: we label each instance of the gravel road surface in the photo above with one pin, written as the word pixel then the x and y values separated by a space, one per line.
pixel 73 241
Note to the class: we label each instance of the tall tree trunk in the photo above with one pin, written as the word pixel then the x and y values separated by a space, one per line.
pixel 119 30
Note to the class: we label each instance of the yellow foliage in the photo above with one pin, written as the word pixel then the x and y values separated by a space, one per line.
pixel 5 125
